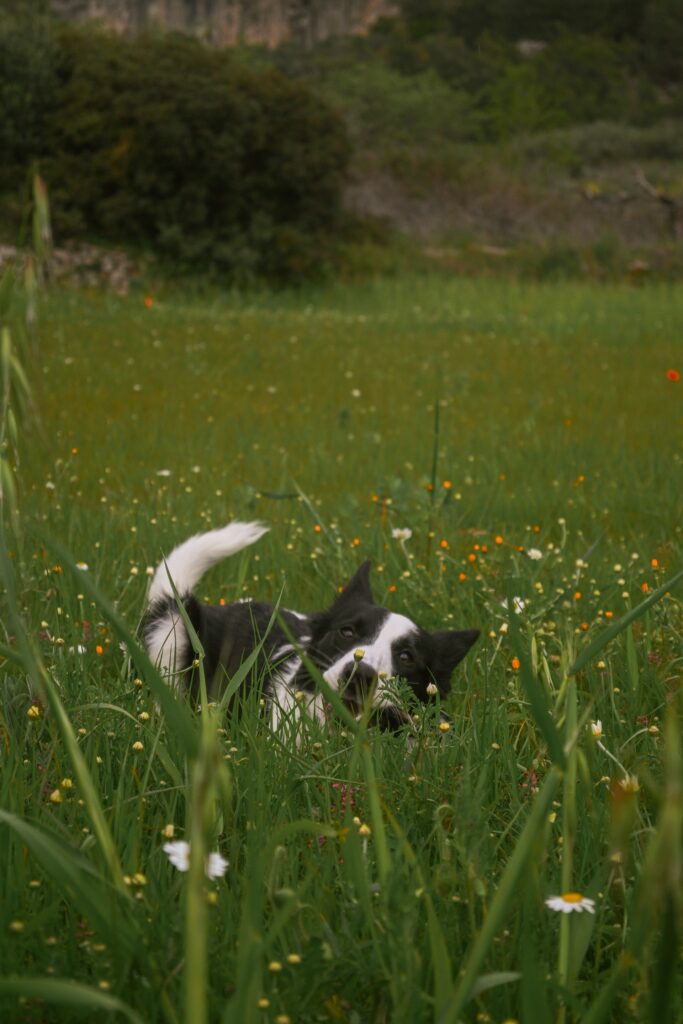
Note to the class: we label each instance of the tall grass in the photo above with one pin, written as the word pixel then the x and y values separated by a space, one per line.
pixel 530 438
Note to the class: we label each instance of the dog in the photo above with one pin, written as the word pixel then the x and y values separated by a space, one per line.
pixel 358 647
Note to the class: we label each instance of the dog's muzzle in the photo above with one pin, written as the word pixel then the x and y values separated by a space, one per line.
pixel 358 685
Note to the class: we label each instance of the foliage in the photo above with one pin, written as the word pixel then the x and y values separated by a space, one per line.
pixel 162 143
pixel 28 56
pixel 384 107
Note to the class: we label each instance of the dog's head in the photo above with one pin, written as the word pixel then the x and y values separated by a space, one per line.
pixel 362 648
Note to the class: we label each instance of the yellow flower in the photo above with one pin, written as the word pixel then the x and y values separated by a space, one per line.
pixel 35 711
pixel 138 746
pixel 444 726
pixel 55 797
pixel 293 958
pixel 364 830
pixel 168 831
pixel 275 966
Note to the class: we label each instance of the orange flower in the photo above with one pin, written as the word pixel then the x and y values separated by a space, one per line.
pixel 654 563
pixel 644 587
pixel 515 664
pixel 484 549
pixel 462 576
pixel 148 301
pixel 447 485
pixel 584 626
pixel 673 375
pixel 577 595
pixel 471 557
pixel 609 615
pixel 499 539
pixel 392 588
pixel 355 542
pixel 443 544
pixel 317 527
pixel 99 649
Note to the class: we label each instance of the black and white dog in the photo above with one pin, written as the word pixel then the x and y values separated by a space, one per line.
pixel 359 647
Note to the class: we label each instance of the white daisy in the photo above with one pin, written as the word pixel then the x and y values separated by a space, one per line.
pixel 83 566
pixel 517 603
pixel 534 554
pixel 402 533
pixel 569 902
pixel 215 866
pixel 596 729
pixel 178 852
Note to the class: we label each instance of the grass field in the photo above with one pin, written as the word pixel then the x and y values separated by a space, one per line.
pixel 531 438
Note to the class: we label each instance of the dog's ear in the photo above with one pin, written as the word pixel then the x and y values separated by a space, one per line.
pixel 449 647
pixel 357 589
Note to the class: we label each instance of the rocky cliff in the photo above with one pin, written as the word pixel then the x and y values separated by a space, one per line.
pixel 226 22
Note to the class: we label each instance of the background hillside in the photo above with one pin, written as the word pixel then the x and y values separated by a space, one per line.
pixel 495 134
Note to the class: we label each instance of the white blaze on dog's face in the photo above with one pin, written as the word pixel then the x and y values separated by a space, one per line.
pixel 374 654
pixel 364 645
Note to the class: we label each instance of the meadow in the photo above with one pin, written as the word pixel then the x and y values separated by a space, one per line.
pixel 530 438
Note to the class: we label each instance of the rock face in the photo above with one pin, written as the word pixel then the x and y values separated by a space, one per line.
pixel 226 22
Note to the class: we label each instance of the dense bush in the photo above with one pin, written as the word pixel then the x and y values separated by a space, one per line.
pixel 384 107
pixel 167 144
pixel 28 55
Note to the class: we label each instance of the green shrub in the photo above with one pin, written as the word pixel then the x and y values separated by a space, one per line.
pixel 384 106
pixel 28 55
pixel 170 146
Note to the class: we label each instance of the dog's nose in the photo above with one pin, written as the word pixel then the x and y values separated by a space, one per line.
pixel 358 681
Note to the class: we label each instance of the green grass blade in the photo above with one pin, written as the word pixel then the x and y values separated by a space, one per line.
pixel 540 707
pixel 488 981
pixel 64 992
pixel 503 899
pixel 179 717
pixel 103 906
pixel 618 627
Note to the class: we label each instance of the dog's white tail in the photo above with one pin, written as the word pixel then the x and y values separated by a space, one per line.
pixel 190 560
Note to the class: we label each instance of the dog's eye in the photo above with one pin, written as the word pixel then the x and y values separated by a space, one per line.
pixel 405 656
pixel 348 632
